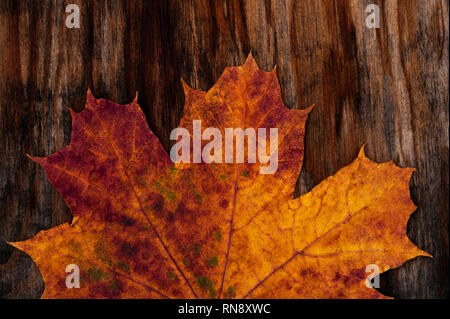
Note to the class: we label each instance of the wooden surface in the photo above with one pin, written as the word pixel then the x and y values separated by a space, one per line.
pixel 386 88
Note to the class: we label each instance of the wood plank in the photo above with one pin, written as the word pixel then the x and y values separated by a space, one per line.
pixel 386 88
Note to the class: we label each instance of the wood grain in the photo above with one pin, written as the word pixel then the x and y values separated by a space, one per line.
pixel 386 88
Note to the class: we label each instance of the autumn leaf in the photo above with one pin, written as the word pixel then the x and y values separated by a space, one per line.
pixel 145 227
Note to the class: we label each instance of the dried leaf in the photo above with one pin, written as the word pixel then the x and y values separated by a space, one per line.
pixel 146 228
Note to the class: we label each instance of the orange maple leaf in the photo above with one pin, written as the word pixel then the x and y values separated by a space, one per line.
pixel 146 228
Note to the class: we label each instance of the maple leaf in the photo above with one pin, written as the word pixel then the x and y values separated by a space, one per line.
pixel 144 227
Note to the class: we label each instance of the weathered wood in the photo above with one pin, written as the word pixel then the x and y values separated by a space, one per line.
pixel 386 88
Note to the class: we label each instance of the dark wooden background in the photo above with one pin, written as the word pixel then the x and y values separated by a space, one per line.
pixel 386 88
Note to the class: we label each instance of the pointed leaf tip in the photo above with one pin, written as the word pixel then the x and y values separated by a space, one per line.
pixel 90 99
pixel 309 109
pixel 15 244
pixel 74 221
pixel 39 160
pixel 186 87
pixel 362 153
pixel 274 70
pixel 250 62
pixel 72 113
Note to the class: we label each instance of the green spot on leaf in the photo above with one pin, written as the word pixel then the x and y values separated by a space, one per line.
pixel 141 181
pixel 156 185
pixel 198 198
pixel 95 274
pixel 102 253
pixel 196 249
pixel 114 285
pixel 218 235
pixel 213 261
pixel 173 171
pixel 186 262
pixel 222 177
pixel 245 174
pixel 172 275
pixel 124 266
pixel 206 284
pixel 171 195
pixel 231 292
